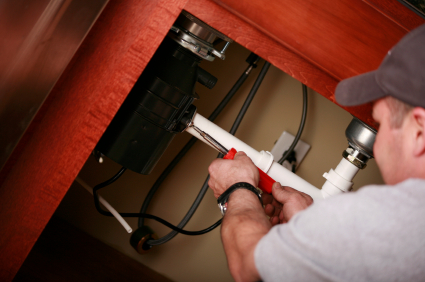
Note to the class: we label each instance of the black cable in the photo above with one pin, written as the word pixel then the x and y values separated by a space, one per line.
pixel 252 60
pixel 300 129
pixel 166 223
pixel 192 141
pixel 232 131
pixel 113 179
pixel 251 95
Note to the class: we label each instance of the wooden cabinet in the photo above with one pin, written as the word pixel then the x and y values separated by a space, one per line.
pixel 318 43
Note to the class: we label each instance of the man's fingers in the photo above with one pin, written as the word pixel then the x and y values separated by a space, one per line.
pixel 224 173
pixel 289 189
pixel 276 185
pixel 292 190
pixel 214 165
pixel 269 210
pixel 274 220
pixel 239 154
pixel 284 193
pixel 267 198
pixel 242 156
pixel 279 192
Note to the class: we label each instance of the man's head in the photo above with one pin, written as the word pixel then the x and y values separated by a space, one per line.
pixel 397 89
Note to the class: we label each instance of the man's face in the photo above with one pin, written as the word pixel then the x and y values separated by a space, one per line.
pixel 388 148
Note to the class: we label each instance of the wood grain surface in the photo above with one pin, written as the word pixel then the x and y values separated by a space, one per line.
pixel 271 50
pixel 72 120
pixel 317 42
pixel 397 12
pixel 343 38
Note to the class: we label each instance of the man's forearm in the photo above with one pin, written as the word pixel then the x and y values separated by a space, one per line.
pixel 244 224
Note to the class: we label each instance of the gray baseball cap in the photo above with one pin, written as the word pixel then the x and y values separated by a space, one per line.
pixel 400 75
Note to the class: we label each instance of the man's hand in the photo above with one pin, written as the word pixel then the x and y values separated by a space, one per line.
pixel 245 222
pixel 284 203
pixel 225 173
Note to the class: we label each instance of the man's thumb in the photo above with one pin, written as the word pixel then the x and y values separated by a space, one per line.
pixel 278 192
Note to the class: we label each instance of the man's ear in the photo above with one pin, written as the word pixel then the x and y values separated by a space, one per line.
pixel 418 119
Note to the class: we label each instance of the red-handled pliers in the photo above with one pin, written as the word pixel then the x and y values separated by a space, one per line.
pixel 265 183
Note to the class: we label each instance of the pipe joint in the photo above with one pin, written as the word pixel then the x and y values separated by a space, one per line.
pixel 339 182
pixel 265 161
pixel 356 157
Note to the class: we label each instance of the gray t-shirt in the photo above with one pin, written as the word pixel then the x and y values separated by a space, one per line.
pixel 374 234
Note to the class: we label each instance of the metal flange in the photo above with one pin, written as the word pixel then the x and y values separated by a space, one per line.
pixel 361 137
pixel 198 37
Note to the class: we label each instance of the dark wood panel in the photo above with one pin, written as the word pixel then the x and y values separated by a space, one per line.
pixel 397 12
pixel 72 120
pixel 64 253
pixel 318 43
pixel 271 50
pixel 344 38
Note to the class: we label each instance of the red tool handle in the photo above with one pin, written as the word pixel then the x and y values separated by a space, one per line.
pixel 265 183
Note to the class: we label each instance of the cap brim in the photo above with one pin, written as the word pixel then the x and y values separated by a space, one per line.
pixel 357 90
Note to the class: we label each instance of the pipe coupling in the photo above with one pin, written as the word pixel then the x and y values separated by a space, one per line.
pixel 265 161
pixel 198 37
pixel 356 157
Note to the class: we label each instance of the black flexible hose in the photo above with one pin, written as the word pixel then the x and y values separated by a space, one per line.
pixel 300 128
pixel 232 131
pixel 249 98
pixel 166 223
pixel 191 142
pixel 108 182
pixel 180 155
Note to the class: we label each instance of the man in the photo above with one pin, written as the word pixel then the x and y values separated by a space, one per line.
pixel 374 234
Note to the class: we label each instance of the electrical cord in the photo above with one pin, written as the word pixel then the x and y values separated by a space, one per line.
pixel 300 129
pixel 252 59
pixel 232 131
pixel 249 98
pixel 191 142
pixel 213 116
pixel 166 223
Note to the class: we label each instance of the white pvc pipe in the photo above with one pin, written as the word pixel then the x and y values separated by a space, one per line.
pixel 276 171
pixel 339 180
pixel 346 169
pixel 106 205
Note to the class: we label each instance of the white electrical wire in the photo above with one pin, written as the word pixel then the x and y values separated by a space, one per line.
pixel 106 205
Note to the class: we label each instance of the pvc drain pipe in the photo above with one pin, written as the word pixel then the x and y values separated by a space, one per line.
pixel 276 171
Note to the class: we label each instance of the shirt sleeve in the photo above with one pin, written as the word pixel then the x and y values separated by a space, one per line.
pixel 309 246
pixel 374 234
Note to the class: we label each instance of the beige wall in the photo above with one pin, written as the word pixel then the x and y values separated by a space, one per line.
pixel 277 107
